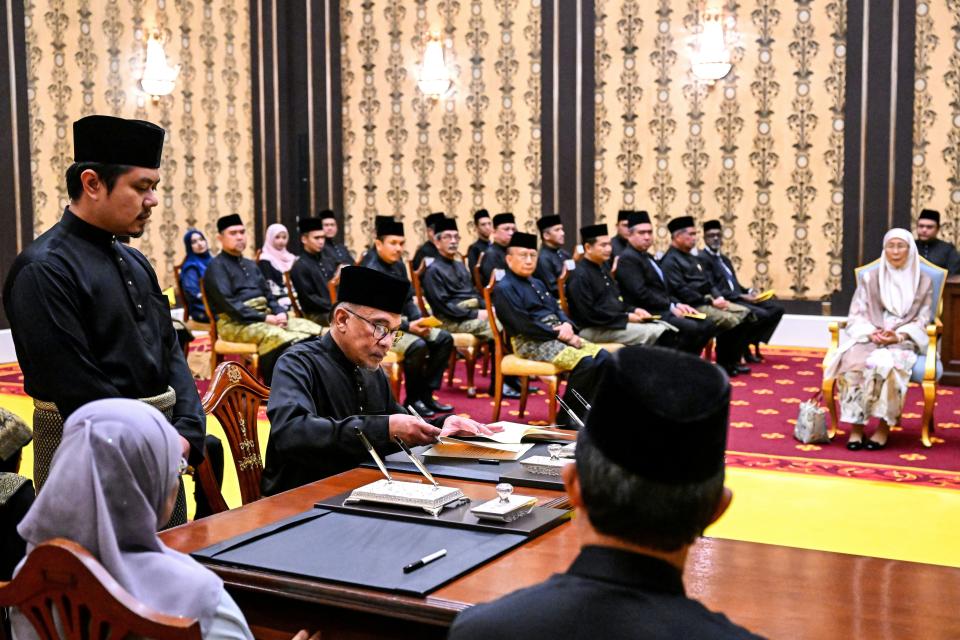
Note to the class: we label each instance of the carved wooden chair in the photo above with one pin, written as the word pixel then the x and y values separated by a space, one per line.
pixel 562 289
pixel 507 363
pixel 62 585
pixel 234 399
pixel 467 345
pixel 292 294
pixel 477 278
pixel 927 369
pixel 220 348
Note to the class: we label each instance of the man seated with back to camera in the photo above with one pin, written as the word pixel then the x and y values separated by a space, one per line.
pixel 642 497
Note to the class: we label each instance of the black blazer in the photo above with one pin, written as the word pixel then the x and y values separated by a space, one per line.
pixel 640 285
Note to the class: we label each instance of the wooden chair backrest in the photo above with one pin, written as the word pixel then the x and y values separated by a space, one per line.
pixel 361 257
pixel 256 256
pixel 178 288
pixel 292 294
pixel 477 278
pixel 500 342
pixel 332 285
pixel 415 278
pixel 209 312
pixel 62 581
pixel 234 398
pixel 562 289
pixel 613 269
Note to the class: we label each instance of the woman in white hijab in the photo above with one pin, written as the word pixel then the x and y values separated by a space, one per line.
pixel 112 484
pixel 886 329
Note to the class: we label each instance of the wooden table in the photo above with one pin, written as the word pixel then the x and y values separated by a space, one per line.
pixel 778 592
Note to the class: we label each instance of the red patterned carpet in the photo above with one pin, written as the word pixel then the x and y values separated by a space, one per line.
pixel 764 407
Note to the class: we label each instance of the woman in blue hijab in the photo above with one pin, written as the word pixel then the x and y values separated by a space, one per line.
pixel 194 266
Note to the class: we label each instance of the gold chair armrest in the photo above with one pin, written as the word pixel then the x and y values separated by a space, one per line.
pixel 835 333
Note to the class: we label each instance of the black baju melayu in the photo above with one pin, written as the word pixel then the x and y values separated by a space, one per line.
pixel 336 253
pixel 424 359
pixel 310 275
pixel 620 245
pixel 606 593
pixel 725 282
pixel 474 251
pixel 89 322
pixel 643 284
pixel 426 250
pixel 494 258
pixel 692 285
pixel 550 263
pixel 447 287
pixel 941 253
pixel 317 399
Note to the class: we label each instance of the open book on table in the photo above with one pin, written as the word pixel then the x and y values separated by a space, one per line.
pixel 503 445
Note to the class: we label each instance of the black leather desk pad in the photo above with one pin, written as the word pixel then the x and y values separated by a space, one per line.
pixel 473 470
pixel 535 523
pixel 362 550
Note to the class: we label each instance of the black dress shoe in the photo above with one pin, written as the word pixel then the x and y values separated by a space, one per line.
pixel 742 369
pixel 856 445
pixel 508 392
pixel 873 445
pixel 752 359
pixel 423 410
pixel 436 406
pixel 732 370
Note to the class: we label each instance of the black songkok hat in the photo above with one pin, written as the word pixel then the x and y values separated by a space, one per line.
pixel 372 288
pixel 111 140
pixel 588 233
pixel 710 225
pixel 446 224
pixel 480 214
pixel 546 222
pixel 306 225
pixel 387 226
pixel 623 214
pixel 523 240
pixel 638 217
pixel 683 222
pixel 229 220
pixel 675 403
pixel 434 219
pixel 930 214
pixel 503 218
pixel 327 214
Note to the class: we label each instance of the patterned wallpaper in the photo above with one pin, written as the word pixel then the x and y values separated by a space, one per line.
pixel 408 155
pixel 85 57
pixel 762 149
pixel 936 113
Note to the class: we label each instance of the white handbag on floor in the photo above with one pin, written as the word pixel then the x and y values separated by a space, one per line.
pixel 811 424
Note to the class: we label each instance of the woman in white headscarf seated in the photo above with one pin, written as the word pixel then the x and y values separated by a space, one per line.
pixel 113 483
pixel 886 330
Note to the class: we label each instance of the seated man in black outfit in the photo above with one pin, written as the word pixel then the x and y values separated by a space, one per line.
pixel 484 227
pixel 504 225
pixel 539 329
pixel 929 246
pixel 335 252
pixel 426 351
pixel 429 248
pixel 311 273
pixel 638 511
pixel 691 284
pixel 16 492
pixel 326 388
pixel 552 254
pixel 767 313
pixel 621 241
pixel 643 285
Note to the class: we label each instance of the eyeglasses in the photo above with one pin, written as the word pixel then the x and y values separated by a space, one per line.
pixel 182 466
pixel 379 331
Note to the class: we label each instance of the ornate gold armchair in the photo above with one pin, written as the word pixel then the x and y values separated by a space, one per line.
pixel 927 369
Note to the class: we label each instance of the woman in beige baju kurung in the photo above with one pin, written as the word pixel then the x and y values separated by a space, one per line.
pixel 886 329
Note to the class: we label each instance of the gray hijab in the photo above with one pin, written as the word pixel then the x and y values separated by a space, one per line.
pixel 109 482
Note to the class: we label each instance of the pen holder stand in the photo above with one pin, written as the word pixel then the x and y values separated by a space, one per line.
pixel 507 507
pixel 414 495
pixel 544 466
